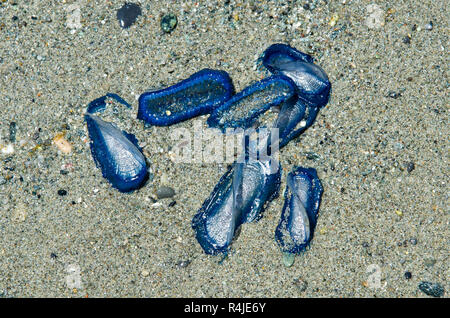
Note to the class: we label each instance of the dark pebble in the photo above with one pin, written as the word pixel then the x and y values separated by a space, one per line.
pixel 15 18
pixel 171 204
pixel 408 275
pixel 410 166
pixel 429 26
pixel 63 172
pixel 53 255
pixel 406 40
pixel 128 14
pixel 165 192
pixel 168 22
pixel 62 192
pixel 394 95
pixel 312 156
pixel 435 290
pixel 413 241
pixel 365 244
pixel 12 131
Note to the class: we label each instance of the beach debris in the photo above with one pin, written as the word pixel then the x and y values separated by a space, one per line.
pixel 115 152
pixel 61 143
pixel 128 14
pixel 432 289
pixel 197 95
pixel 376 17
pixel 169 22
pixel 8 149
pixel 300 210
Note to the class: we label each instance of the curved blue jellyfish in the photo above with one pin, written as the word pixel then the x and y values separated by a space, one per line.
pixel 240 197
pixel 115 151
pixel 197 95
pixel 244 108
pixel 300 210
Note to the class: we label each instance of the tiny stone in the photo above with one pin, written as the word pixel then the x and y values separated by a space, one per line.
pixel 408 275
pixel 413 241
pixel 398 146
pixel 429 262
pixel 410 166
pixel 435 290
pixel 301 284
pixel 171 204
pixel 406 40
pixel 128 14
pixel 12 131
pixel 288 259
pixel 394 95
pixel 429 26
pixel 168 22
pixel 165 192
pixel 365 244
pixel 183 264
pixel 145 273
pixel 62 192
pixel 53 255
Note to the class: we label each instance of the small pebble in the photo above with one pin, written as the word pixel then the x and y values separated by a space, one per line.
pixel 145 273
pixel 406 40
pixel 168 22
pixel 62 192
pixel 394 95
pixel 408 275
pixel 288 259
pixel 410 166
pixel 128 14
pixel 301 284
pixel 53 256
pixel 183 264
pixel 171 204
pixel 413 241
pixel 435 290
pixel 165 192
pixel 429 262
pixel 12 131
pixel 429 26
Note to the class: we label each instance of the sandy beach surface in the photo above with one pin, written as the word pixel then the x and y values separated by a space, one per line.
pixel 380 148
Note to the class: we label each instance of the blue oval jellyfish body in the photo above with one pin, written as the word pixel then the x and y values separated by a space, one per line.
pixel 115 151
pixel 244 108
pixel 197 95
pixel 300 211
